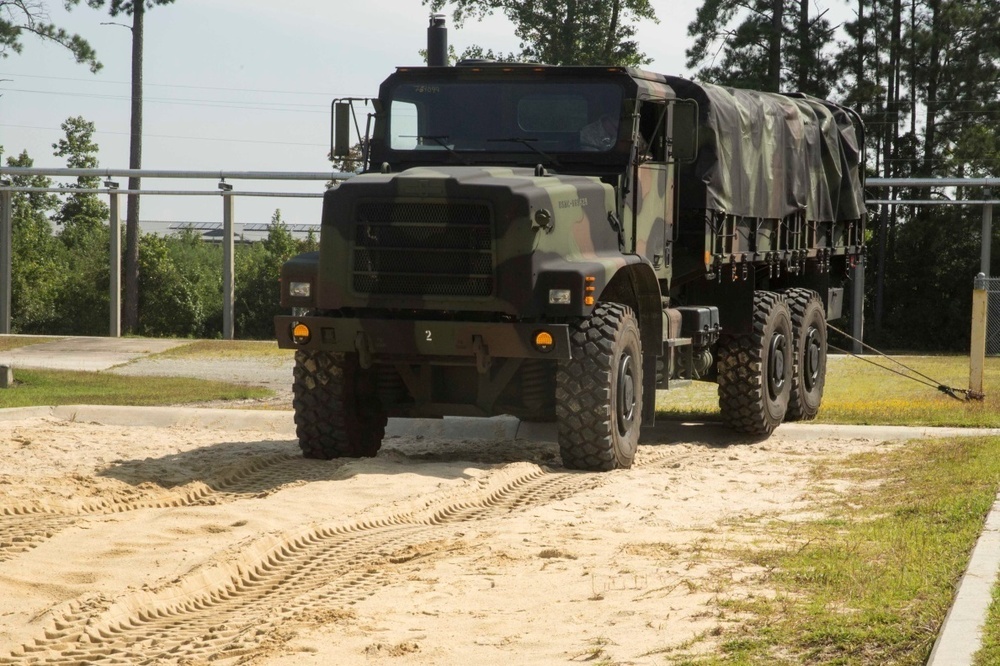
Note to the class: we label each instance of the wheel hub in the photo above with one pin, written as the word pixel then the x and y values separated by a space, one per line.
pixel 776 364
pixel 625 402
pixel 812 358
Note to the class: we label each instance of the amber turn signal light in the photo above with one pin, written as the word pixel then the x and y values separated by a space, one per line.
pixel 300 333
pixel 543 341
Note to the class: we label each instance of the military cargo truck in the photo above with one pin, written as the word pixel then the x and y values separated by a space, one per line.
pixel 558 243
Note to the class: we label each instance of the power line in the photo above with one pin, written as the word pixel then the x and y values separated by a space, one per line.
pixel 257 106
pixel 175 85
pixel 170 136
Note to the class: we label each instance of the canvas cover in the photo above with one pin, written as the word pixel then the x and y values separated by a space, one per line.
pixel 770 155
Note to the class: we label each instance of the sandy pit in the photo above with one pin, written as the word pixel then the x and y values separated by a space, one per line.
pixel 125 544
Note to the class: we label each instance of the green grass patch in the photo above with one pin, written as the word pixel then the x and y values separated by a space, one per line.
pixel 55 387
pixel 860 393
pixel 227 349
pixel 871 582
pixel 8 342
pixel 989 652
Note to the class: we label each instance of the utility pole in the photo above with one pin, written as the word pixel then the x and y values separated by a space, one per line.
pixel 131 318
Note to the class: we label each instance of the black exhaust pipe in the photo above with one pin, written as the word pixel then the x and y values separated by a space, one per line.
pixel 437 42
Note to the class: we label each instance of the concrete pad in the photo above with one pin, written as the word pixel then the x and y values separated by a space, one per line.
pixel 84 353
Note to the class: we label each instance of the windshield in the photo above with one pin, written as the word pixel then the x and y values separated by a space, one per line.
pixel 516 117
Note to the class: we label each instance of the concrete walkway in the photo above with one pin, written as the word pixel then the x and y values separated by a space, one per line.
pixel 84 353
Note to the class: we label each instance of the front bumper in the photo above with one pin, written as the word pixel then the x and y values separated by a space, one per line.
pixel 399 337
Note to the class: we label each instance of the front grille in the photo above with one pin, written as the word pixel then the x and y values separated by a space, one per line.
pixel 423 249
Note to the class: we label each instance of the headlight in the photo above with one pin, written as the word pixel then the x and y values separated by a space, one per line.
pixel 299 289
pixel 559 296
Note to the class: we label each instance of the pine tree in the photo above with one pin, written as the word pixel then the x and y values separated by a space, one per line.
pixel 565 32
pixel 18 17
pixel 137 10
pixel 763 45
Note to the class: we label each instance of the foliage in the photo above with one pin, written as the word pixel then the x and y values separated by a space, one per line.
pixel 257 274
pixel 168 298
pixel 81 213
pixel 35 278
pixel 18 17
pixel 764 45
pixel 564 32
pixel 118 7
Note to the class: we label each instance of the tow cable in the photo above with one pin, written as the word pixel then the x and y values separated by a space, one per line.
pixel 962 395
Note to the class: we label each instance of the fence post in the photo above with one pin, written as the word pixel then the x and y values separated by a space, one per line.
pixel 858 305
pixel 228 281
pixel 115 260
pixel 6 234
pixel 984 260
pixel 977 348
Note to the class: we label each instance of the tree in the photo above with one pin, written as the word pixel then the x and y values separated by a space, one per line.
pixel 30 16
pixel 137 10
pixel 35 266
pixel 764 45
pixel 80 210
pixel 83 301
pixel 565 32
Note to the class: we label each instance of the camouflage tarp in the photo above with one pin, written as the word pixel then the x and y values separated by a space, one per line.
pixel 769 155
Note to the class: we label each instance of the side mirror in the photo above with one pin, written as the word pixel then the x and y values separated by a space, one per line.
pixel 341 129
pixel 684 135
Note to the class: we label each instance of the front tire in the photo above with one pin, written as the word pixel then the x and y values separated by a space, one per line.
pixel 755 370
pixel 809 368
pixel 337 411
pixel 599 391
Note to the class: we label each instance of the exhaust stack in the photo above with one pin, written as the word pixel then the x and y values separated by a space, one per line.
pixel 437 42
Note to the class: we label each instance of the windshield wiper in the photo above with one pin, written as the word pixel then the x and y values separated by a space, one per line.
pixel 441 141
pixel 527 143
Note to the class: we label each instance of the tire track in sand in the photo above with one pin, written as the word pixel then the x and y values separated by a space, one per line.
pixel 226 612
pixel 25 526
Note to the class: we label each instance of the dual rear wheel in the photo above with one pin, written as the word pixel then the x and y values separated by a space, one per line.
pixel 776 372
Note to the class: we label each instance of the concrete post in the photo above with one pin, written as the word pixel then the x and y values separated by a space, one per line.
pixel 228 281
pixel 858 305
pixel 977 348
pixel 6 234
pixel 115 261
pixel 984 260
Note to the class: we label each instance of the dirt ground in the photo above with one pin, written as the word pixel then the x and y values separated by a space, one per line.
pixel 188 545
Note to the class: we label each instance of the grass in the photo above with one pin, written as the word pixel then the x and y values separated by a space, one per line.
pixel 989 653
pixel 227 349
pixel 857 392
pixel 8 342
pixel 871 581
pixel 54 387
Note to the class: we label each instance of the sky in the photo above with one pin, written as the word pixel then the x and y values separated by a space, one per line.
pixel 241 85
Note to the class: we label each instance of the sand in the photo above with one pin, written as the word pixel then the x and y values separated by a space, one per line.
pixel 189 545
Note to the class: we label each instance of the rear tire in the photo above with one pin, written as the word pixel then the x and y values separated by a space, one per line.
pixel 809 350
pixel 755 370
pixel 337 410
pixel 599 391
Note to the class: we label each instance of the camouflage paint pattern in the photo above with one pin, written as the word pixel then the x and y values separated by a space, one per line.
pixel 777 178
pixel 527 259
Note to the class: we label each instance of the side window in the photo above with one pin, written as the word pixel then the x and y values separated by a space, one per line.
pixel 403 125
pixel 652 131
